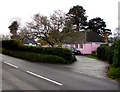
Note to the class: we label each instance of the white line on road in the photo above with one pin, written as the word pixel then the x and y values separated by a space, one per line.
pixel 11 65
pixel 44 78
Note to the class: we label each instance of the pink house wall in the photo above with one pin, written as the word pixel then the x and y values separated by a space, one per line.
pixel 87 47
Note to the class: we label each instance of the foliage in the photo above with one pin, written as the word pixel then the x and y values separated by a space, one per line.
pixel 98 25
pixel 35 57
pixel 105 53
pixel 49 30
pixel 114 72
pixel 17 45
pixel 62 52
pixel 94 53
pixel 103 44
pixel 116 53
pixel 12 44
pixel 78 17
pixel 13 29
pixel 111 54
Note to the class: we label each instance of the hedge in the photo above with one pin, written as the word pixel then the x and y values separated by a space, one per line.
pixel 35 57
pixel 111 54
pixel 105 53
pixel 17 45
pixel 116 53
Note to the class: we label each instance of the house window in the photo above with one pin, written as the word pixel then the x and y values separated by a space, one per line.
pixel 81 46
pixel 76 46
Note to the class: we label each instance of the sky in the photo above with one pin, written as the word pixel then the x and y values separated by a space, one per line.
pixel 25 9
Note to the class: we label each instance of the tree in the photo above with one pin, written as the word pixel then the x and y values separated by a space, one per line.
pixel 25 33
pixel 98 25
pixel 58 20
pixel 77 15
pixel 40 28
pixel 4 37
pixel 13 29
pixel 53 30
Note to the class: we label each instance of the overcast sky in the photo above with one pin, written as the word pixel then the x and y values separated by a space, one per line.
pixel 25 9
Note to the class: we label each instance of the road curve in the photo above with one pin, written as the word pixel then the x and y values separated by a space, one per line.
pixel 19 74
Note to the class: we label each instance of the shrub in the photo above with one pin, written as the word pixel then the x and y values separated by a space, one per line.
pixel 104 45
pixel 116 53
pixel 114 72
pixel 101 52
pixel 94 53
pixel 17 45
pixel 35 57
pixel 108 54
pixel 105 53
pixel 12 44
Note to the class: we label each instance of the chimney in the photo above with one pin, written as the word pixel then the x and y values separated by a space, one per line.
pixel 106 37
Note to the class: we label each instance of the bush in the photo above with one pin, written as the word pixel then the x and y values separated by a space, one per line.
pixel 101 52
pixel 12 44
pixel 105 53
pixel 62 52
pixel 104 45
pixel 116 53
pixel 94 53
pixel 17 45
pixel 114 72
pixel 35 57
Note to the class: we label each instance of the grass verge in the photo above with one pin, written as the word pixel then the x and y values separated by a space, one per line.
pixel 114 73
pixel 90 56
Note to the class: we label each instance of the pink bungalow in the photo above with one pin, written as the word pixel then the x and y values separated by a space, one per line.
pixel 85 41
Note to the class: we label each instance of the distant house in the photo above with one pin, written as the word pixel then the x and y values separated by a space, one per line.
pixel 85 41
pixel 27 41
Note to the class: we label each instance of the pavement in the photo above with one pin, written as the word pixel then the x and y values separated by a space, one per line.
pixel 90 66
pixel 18 74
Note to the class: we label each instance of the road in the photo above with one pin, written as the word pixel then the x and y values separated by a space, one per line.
pixel 19 74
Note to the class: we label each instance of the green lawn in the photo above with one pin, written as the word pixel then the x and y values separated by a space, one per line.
pixel 90 56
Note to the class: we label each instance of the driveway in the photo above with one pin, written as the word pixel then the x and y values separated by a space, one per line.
pixel 90 66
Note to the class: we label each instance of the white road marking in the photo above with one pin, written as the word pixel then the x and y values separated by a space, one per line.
pixel 11 65
pixel 44 78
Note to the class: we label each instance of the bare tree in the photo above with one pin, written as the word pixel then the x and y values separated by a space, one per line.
pixel 58 20
pixel 5 37
pixel 40 28
pixel 53 30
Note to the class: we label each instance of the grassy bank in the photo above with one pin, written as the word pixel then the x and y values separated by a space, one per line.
pixel 114 73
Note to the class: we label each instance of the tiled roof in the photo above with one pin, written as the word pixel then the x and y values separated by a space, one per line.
pixel 85 36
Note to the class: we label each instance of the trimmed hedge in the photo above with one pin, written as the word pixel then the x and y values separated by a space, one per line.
pixel 17 45
pixel 111 54
pixel 35 57
pixel 116 53
pixel 105 53
pixel 12 44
